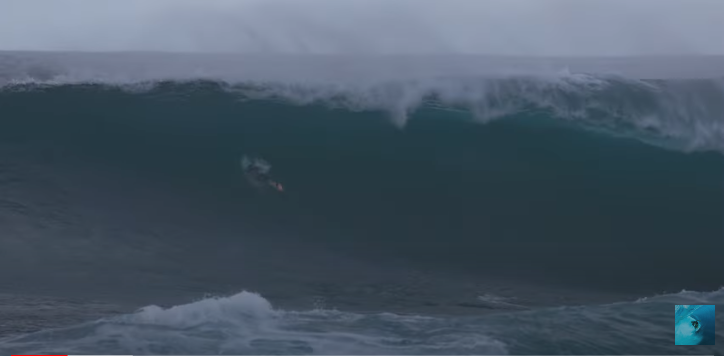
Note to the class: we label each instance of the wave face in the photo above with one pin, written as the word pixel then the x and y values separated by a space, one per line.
pixel 496 198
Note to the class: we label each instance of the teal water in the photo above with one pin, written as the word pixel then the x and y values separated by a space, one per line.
pixel 473 234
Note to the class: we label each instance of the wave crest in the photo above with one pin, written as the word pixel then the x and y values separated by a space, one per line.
pixel 680 114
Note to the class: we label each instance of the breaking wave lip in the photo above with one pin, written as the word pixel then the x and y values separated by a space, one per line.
pixel 606 94
pixel 685 115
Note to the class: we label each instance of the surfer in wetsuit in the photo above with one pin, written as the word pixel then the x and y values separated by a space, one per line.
pixel 262 177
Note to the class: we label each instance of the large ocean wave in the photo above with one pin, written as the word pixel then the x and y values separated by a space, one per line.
pixel 563 157
pixel 122 180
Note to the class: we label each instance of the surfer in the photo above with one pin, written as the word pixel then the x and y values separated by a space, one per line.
pixel 261 177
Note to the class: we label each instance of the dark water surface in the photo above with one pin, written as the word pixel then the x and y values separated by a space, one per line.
pixel 473 234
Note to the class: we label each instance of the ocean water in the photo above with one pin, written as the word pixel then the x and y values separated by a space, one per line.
pixel 447 206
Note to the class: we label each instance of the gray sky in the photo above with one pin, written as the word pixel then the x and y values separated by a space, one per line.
pixel 512 27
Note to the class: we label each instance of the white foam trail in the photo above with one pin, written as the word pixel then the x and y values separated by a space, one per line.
pixel 246 323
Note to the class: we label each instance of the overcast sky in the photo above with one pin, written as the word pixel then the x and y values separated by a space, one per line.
pixel 512 27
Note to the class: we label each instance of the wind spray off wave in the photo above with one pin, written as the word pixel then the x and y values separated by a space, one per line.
pixel 677 109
